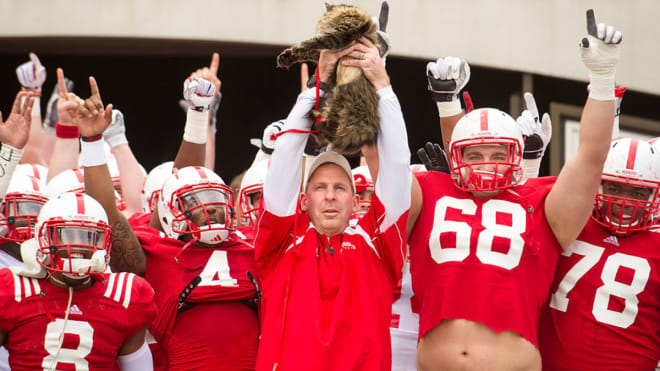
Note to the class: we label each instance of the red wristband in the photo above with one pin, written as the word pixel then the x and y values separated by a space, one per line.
pixel 66 132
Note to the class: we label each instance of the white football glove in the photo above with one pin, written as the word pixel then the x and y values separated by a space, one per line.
pixel 31 74
pixel 537 134
pixel 600 53
pixel 446 77
pixel 381 22
pixel 115 133
pixel 198 93
pixel 268 140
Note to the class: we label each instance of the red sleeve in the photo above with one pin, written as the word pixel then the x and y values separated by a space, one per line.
pixel 274 233
pixel 6 299
pixel 390 243
pixel 142 307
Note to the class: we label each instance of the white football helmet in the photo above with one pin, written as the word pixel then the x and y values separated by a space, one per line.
pixel 363 183
pixel 154 184
pixel 252 186
pixel 73 180
pixel 38 171
pixel 196 202
pixel 486 126
pixel 630 163
pixel 73 234
pixel 24 199
pixel 70 180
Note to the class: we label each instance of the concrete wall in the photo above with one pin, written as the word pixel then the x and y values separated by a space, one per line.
pixel 537 36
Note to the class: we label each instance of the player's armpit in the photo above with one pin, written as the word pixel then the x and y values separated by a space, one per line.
pixel 415 205
pixel 3 337
pixel 127 254
pixel 133 343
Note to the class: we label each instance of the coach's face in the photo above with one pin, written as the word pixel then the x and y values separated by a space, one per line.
pixel 329 199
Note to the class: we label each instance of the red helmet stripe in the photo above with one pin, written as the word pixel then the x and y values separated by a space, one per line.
pixel 35 171
pixel 35 184
pixel 80 203
pixel 632 153
pixel 484 120
pixel 201 172
pixel 79 174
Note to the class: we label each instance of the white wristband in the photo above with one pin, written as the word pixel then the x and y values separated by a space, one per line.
pixel 601 87
pixel 197 123
pixel 531 167
pixel 93 153
pixel 451 108
pixel 9 157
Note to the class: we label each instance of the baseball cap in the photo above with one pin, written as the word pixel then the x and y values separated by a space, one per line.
pixel 331 157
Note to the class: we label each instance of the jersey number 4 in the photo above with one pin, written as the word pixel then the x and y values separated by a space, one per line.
pixel 443 253
pixel 611 287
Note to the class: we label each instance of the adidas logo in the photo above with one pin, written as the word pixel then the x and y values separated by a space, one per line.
pixel 612 240
pixel 75 310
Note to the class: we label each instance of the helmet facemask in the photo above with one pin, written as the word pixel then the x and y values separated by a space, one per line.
pixel 249 202
pixel 75 248
pixel 21 211
pixel 621 213
pixel 203 211
pixel 474 173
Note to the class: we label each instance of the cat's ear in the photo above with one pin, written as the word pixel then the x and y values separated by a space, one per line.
pixel 328 7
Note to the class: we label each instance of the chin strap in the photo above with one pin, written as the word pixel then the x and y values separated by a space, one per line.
pixel 53 364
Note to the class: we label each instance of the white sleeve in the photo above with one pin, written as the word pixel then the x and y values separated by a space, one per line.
pixel 140 360
pixel 283 179
pixel 394 176
pixel 9 157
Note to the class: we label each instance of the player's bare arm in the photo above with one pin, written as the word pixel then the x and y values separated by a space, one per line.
pixel 569 204
pixel 92 118
pixel 65 151
pixel 198 91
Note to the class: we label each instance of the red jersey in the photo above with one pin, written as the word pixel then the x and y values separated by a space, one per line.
pixel 485 260
pixel 604 312
pixel 328 300
pixel 218 328
pixel 101 318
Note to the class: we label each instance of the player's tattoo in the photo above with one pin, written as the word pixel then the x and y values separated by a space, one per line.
pixel 127 254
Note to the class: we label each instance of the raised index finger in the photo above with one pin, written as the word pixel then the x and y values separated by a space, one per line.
pixel 94 87
pixel 61 85
pixel 384 16
pixel 35 60
pixel 16 108
pixel 591 23
pixel 215 62
pixel 531 106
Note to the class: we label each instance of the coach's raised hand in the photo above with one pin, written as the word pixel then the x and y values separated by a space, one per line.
pixel 600 53
pixel 91 117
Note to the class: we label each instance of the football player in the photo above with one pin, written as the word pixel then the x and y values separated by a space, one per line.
pixel 604 312
pixel 484 247
pixel 200 270
pixel 60 310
